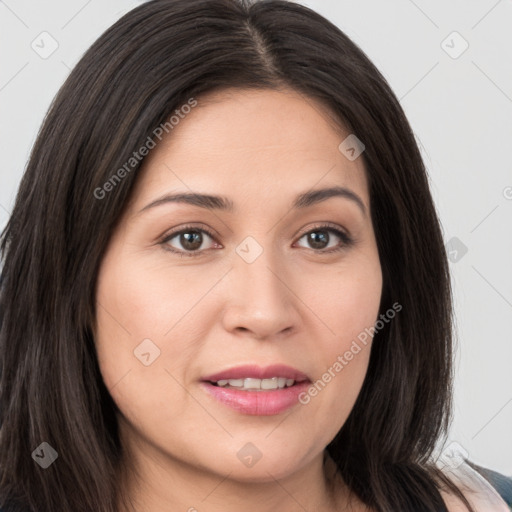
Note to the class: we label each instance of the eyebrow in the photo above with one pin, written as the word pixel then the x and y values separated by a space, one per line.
pixel 223 203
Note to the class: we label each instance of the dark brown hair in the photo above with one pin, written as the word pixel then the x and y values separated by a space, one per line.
pixel 150 62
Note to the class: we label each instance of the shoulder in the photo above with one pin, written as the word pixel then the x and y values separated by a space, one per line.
pixel 486 490
pixel 501 483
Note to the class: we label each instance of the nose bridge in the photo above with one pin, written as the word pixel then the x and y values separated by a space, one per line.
pixel 262 301
pixel 258 267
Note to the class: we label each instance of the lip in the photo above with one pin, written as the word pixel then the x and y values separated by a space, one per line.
pixel 257 403
pixel 257 372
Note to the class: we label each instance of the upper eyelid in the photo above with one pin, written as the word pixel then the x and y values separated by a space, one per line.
pixel 172 234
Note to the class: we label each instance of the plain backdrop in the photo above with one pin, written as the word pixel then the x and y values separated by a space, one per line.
pixel 450 64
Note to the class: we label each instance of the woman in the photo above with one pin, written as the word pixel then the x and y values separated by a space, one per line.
pixel 226 195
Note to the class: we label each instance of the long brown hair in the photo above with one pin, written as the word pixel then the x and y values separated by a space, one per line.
pixel 149 63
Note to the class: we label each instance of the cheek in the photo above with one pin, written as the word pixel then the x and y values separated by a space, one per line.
pixel 133 315
pixel 348 308
pixel 347 302
pixel 145 334
pixel 138 300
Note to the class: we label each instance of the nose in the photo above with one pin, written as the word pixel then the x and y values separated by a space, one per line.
pixel 259 298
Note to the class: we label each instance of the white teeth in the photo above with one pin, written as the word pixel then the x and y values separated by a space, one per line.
pixel 257 384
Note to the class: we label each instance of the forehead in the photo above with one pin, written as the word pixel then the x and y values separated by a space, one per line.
pixel 252 145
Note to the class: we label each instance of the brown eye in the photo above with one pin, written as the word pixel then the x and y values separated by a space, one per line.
pixel 191 240
pixel 320 237
pixel 187 241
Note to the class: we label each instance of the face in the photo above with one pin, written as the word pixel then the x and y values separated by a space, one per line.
pixel 187 291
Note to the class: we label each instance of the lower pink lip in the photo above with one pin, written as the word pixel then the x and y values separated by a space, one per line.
pixel 261 403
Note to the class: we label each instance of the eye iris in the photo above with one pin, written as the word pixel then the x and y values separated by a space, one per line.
pixel 318 238
pixel 191 240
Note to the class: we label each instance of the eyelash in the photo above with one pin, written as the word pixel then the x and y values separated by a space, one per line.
pixel 346 243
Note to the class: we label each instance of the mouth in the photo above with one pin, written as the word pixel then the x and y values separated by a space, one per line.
pixel 257 391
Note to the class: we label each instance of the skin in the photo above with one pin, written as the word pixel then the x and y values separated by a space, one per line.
pixel 215 311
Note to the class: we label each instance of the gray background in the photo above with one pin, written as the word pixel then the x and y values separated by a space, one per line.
pixel 459 104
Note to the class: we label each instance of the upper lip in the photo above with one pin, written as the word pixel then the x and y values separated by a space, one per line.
pixel 258 372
